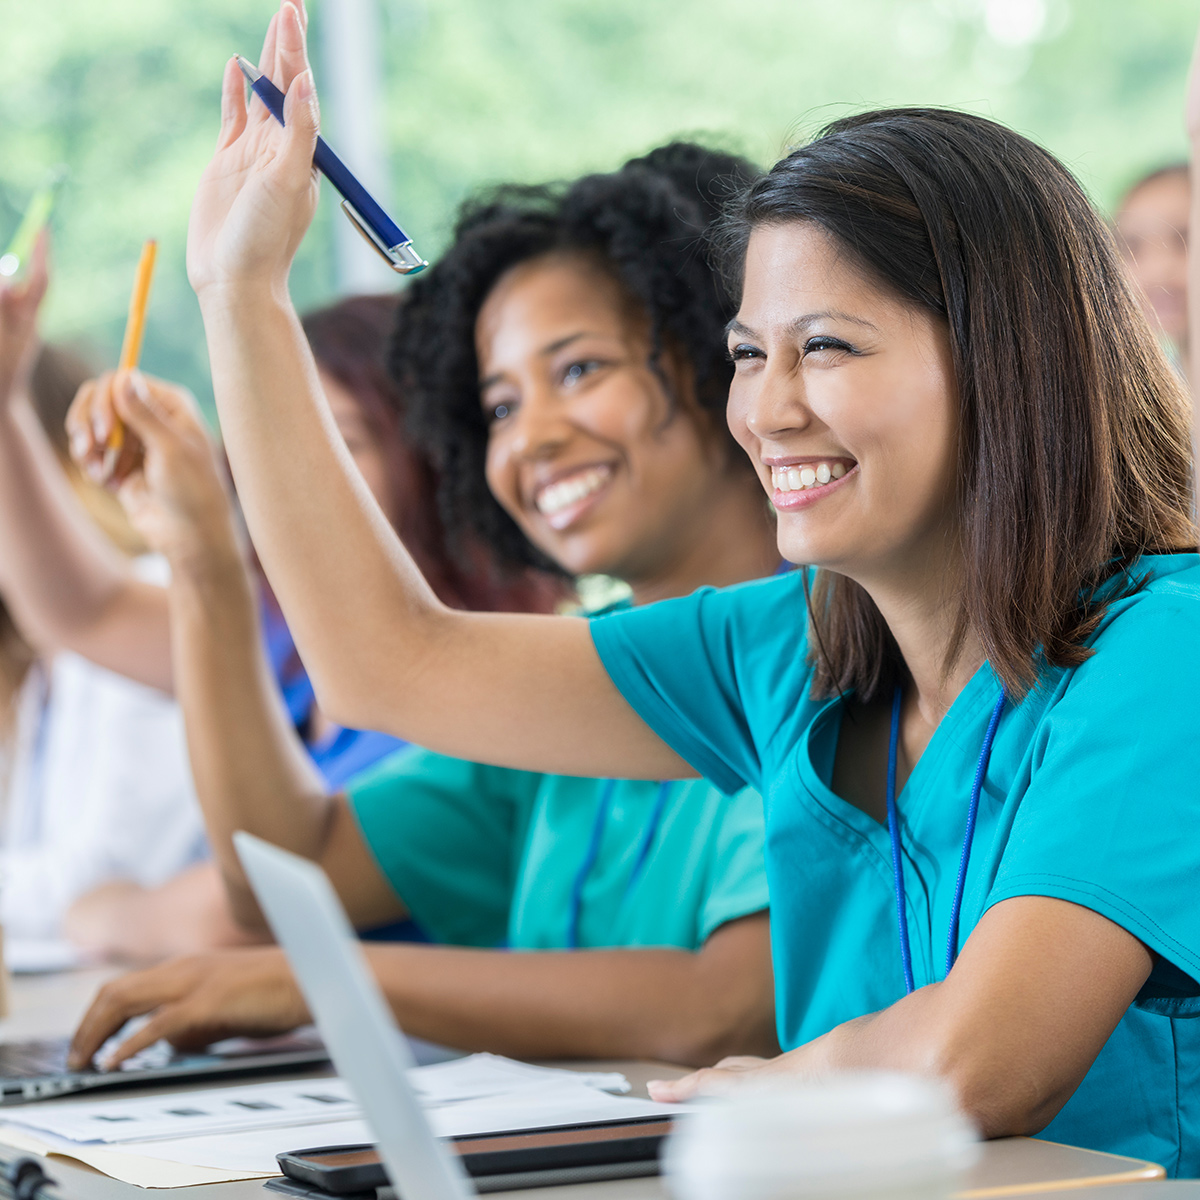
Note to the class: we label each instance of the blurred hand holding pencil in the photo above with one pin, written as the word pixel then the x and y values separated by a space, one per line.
pixel 131 346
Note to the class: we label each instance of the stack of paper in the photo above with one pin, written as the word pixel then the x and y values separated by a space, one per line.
pixel 211 1135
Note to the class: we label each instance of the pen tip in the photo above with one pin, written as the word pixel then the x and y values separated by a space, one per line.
pixel 250 71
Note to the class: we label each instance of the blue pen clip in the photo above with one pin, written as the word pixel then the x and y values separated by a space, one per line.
pixel 384 236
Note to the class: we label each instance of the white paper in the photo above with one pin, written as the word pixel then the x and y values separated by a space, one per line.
pixel 203 1112
pixel 480 1075
pixel 252 1152
pixel 133 1119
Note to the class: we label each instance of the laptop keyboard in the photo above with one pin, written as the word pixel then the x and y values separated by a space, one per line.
pixel 33 1070
pixel 29 1060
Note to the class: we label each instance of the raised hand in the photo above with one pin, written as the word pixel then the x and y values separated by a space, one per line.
pixel 167 474
pixel 19 303
pixel 257 196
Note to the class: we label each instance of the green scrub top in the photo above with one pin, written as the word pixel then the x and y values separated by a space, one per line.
pixel 486 856
pixel 1092 795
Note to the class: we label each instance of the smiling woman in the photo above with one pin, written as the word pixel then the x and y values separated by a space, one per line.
pixel 567 372
pixel 1008 558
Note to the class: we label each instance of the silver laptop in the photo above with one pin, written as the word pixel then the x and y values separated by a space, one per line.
pixel 37 1070
pixel 363 1040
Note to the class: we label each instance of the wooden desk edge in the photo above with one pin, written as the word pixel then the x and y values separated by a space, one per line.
pixel 1141 1172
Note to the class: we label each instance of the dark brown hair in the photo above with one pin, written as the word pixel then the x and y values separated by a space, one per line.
pixel 1074 453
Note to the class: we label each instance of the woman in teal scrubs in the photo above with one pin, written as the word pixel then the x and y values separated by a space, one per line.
pixel 965 424
pixel 661 882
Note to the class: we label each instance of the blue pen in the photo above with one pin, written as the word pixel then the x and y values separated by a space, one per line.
pixel 384 235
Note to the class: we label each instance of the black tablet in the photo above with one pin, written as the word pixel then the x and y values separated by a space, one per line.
pixel 601 1149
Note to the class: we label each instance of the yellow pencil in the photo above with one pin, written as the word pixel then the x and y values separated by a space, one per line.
pixel 135 330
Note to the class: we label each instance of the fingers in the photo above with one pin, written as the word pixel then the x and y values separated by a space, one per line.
pixel 291 52
pixel 233 105
pixel 266 64
pixel 301 123
pixel 38 279
pixel 155 411
pixel 266 60
pixel 174 1022
pixel 90 424
pixel 116 1002
pixel 78 424
pixel 708 1081
pixel 672 1091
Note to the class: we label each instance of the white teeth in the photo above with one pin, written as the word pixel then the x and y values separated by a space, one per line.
pixel 553 499
pixel 798 479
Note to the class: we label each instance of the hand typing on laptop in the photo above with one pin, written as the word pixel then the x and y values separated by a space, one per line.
pixel 192 1003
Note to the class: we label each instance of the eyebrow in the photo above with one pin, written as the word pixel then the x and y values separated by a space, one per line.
pixel 544 352
pixel 801 324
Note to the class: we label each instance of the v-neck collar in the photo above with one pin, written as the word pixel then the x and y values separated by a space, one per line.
pixel 977 695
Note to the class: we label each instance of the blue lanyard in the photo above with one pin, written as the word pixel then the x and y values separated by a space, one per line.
pixel 593 852
pixel 985 753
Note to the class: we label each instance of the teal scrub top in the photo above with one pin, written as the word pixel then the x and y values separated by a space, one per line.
pixel 486 856
pixel 1092 795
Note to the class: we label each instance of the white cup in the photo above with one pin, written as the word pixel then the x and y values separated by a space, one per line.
pixel 854 1136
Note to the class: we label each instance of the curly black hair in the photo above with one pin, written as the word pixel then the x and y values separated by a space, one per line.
pixel 646 223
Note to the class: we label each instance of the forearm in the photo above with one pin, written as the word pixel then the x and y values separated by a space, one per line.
pixel 1037 991
pixel 126 922
pixel 251 772
pixel 66 586
pixel 660 1004
pixel 1000 1080
pixel 331 556
pixel 382 651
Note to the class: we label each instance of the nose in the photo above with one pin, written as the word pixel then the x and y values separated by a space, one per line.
pixel 538 428
pixel 776 405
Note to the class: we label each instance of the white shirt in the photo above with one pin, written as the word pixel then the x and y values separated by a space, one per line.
pixel 100 790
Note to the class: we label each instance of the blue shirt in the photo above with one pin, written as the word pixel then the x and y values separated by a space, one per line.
pixel 1092 795
pixel 341 753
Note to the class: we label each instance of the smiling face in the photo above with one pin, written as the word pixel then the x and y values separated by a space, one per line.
pixel 844 398
pixel 585 450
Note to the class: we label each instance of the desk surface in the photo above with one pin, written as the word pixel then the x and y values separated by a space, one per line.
pixel 49 1006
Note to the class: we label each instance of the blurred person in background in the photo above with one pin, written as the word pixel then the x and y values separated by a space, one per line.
pixel 97 791
pixel 68 587
pixel 1152 228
